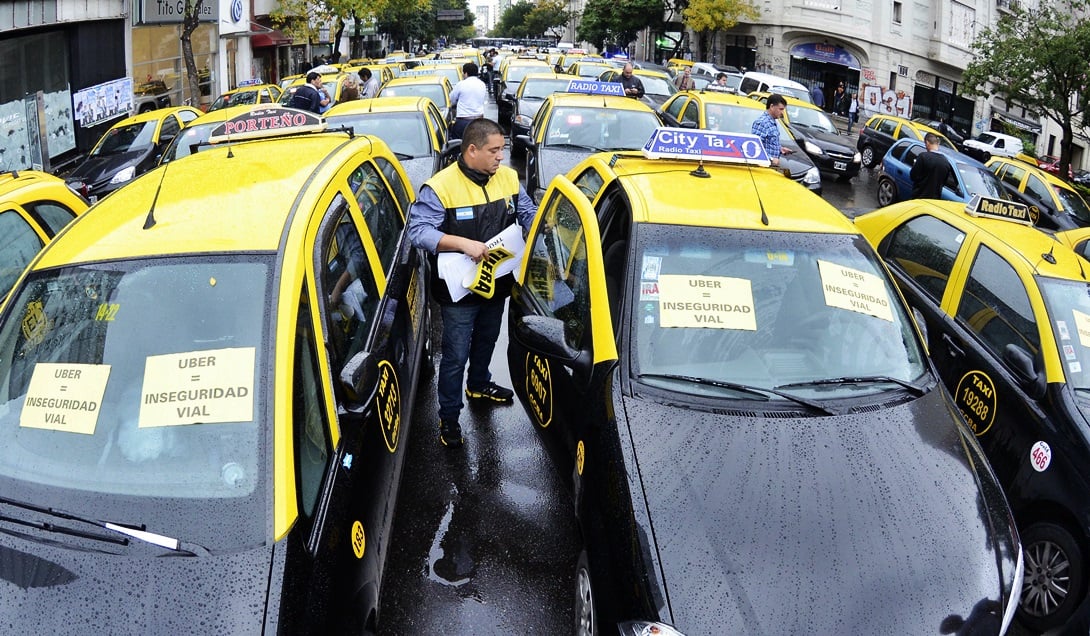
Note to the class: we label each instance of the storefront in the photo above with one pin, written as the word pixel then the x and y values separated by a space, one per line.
pixel 825 66
pixel 936 99
pixel 157 64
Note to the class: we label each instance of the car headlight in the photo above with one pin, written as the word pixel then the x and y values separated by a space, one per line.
pixel 812 148
pixel 857 158
pixel 123 175
pixel 523 120
pixel 647 628
pixel 812 176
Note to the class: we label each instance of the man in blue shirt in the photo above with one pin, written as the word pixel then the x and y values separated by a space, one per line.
pixel 767 128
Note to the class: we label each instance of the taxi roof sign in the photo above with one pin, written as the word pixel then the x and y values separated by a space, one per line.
pixel 250 82
pixel 591 87
pixel 273 121
pixel 707 145
pixel 1001 209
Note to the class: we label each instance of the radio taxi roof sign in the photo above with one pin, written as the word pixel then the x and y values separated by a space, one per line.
pixel 267 122
pixel 706 145
pixel 1000 209
pixel 591 87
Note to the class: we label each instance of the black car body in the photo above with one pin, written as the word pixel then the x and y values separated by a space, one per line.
pixel 722 485
pixel 880 132
pixel 509 82
pixel 816 134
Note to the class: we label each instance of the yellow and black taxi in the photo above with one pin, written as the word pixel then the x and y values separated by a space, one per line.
pixel 252 91
pixel 206 393
pixel 129 148
pixel 882 131
pixel 435 87
pixel 588 117
pixel 1059 205
pixel 531 94
pixel 1007 317
pixel 735 393
pixel 726 112
pixel 412 127
pixel 34 206
pixel 509 78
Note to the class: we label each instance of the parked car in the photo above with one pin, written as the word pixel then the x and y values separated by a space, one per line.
pixel 1058 205
pixel 968 176
pixel 882 131
pixel 532 92
pixel 741 408
pixel 129 148
pixel 1051 164
pixel 755 82
pixel 830 151
pixel 996 144
pixel 657 85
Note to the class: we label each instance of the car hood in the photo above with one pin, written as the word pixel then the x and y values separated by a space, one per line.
pixel 798 162
pixel 558 160
pixel 828 142
pixel 47 589
pixel 871 523
pixel 99 169
pixel 418 169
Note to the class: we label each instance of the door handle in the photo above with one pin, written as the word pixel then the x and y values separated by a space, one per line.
pixel 955 350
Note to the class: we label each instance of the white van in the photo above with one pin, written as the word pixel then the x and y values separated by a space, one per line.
pixel 996 143
pixel 754 82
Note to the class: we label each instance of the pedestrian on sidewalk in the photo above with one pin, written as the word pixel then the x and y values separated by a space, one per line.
pixel 853 111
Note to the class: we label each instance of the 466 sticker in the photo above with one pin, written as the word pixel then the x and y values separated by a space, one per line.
pixel 1040 456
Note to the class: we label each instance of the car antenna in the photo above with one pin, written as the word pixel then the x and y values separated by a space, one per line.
pixel 764 215
pixel 700 171
pixel 149 222
pixel 1049 258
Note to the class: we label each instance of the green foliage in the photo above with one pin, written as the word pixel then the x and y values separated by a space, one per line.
pixel 718 15
pixel 1039 59
pixel 618 22
pixel 512 22
pixel 547 16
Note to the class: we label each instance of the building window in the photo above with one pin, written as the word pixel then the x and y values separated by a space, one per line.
pixel 896 12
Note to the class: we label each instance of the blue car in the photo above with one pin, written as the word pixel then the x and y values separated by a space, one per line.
pixel 969 176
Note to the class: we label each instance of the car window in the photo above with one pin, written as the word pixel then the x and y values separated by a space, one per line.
pixel 169 129
pixel 405 133
pixel 1073 204
pixel 692 113
pixel 383 218
pixel 1039 190
pixel 394 179
pixel 126 138
pixel 1012 175
pixel 556 270
pixel 674 109
pixel 886 126
pixel 589 182
pixel 542 88
pixel 19 245
pixel 905 132
pixel 912 153
pixel 52 216
pixel 925 248
pixel 312 440
pixel 657 85
pixel 996 307
pixel 347 285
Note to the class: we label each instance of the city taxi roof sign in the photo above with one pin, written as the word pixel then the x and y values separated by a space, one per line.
pixel 591 87
pixel 1001 209
pixel 250 82
pixel 273 121
pixel 706 145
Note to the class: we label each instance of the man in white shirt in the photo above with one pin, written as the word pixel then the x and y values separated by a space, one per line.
pixel 370 84
pixel 467 99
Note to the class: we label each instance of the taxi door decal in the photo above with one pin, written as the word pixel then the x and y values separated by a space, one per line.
pixel 539 389
pixel 975 397
pixel 389 404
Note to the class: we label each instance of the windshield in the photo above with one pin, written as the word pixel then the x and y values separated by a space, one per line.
pixel 1072 203
pixel 811 119
pixel 434 92
pixel 189 141
pixel 657 85
pixel 980 181
pixel 1068 304
pixel 128 385
pixel 600 128
pixel 767 310
pixel 541 88
pixel 516 73
pixel 128 138
pixel 233 99
pixel 739 119
pixel 593 71
pixel 405 133
pixel 797 93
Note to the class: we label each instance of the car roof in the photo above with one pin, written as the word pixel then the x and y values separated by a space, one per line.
pixel 723 97
pixel 233 215
pixel 599 101
pixel 949 153
pixel 152 115
pixel 1045 175
pixel 379 105
pixel 1024 243
pixel 417 79
pixel 732 197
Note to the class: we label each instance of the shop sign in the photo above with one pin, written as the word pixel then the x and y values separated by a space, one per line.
pixel 173 11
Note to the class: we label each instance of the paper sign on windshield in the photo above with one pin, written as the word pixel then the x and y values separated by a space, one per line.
pixel 198 387
pixel 712 302
pixel 854 290
pixel 65 397
pixel 1082 326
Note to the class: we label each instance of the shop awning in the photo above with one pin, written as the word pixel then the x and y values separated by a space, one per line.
pixel 264 37
pixel 1021 123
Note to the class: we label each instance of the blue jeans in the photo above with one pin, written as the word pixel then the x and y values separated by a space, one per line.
pixel 469 335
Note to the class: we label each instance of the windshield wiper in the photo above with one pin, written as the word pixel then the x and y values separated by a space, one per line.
pixel 52 527
pixel 866 379
pixel 575 146
pixel 743 388
pixel 401 156
pixel 136 532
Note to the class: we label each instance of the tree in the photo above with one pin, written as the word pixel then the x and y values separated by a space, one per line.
pixel 512 22
pixel 704 16
pixel 547 17
pixel 1038 58
pixel 618 22
pixel 190 21
pixel 301 18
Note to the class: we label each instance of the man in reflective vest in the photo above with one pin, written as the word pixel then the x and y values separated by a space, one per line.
pixel 459 209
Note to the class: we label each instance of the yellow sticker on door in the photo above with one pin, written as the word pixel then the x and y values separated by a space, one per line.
pixel 359 539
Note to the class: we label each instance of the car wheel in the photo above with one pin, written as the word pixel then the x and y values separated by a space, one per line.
pixel 1054 580
pixel 586 622
pixel 887 191
pixel 868 157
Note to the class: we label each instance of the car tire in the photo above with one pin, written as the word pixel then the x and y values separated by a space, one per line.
pixel 1053 585
pixel 586 620
pixel 887 191
pixel 868 157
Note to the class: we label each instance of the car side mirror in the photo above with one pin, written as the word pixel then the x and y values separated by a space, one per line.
pixel 687 124
pixel 1022 363
pixel 544 336
pixel 525 140
pixel 360 372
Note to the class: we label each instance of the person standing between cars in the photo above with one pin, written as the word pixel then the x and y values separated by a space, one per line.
pixel 310 96
pixel 459 208
pixel 633 87
pixel 720 84
pixel 351 89
pixel 768 129
pixel 467 99
pixel 818 96
pixel 370 84
pixel 684 82
pixel 853 111
pixel 930 171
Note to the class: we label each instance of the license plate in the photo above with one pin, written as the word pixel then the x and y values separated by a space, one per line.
pixel 840 165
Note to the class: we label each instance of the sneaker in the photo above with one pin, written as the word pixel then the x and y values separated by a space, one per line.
pixel 450 434
pixel 492 392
